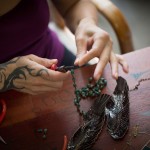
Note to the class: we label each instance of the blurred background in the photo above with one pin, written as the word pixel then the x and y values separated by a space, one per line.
pixel 137 14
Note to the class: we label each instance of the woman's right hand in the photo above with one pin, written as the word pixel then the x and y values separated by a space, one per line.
pixel 30 74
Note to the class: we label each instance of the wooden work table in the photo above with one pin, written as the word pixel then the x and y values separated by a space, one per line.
pixel 57 113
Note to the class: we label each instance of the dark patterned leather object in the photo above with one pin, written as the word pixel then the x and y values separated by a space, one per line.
pixel 117 110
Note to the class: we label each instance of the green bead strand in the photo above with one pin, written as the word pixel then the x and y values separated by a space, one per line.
pixel 90 90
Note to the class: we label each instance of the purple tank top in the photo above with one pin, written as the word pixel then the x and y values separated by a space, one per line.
pixel 24 30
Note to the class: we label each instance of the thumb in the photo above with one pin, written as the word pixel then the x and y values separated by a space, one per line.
pixel 43 61
pixel 81 44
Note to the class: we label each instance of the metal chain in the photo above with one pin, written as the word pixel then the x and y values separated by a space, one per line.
pixel 138 84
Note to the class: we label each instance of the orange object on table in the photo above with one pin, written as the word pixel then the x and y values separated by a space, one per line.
pixel 2 110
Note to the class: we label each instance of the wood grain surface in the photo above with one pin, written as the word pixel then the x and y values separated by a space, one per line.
pixel 56 111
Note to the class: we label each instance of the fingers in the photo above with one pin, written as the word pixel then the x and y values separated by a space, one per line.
pixel 98 42
pixel 38 85
pixel 114 65
pixel 35 77
pixel 123 63
pixel 54 75
pixel 81 44
pixel 116 59
pixel 43 61
pixel 96 50
pixel 103 60
pixel 40 69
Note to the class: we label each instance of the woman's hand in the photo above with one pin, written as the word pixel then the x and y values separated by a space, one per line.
pixel 30 74
pixel 92 42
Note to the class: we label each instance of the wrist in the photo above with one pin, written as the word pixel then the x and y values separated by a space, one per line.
pixel 88 20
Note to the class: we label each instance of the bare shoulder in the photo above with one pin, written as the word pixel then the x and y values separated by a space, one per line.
pixel 7 5
pixel 64 5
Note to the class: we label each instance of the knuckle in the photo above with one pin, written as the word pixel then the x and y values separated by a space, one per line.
pixel 114 61
pixel 120 57
pixel 59 86
pixel 79 39
pixel 104 35
pixel 95 52
pixel 31 55
pixel 105 59
pixel 111 41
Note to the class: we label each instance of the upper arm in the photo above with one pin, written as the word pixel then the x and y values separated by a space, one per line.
pixel 64 5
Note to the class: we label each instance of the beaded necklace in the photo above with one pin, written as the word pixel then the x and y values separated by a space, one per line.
pixel 90 90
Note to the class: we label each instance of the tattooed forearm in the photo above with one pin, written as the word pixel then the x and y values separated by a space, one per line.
pixel 7 81
pixel 4 66
pixel 18 73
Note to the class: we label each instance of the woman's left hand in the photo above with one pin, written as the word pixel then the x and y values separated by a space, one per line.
pixel 93 41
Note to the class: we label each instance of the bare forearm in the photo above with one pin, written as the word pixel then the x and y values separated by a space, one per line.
pixel 82 10
pixel 74 11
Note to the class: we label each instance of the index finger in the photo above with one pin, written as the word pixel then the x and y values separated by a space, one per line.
pixel 103 60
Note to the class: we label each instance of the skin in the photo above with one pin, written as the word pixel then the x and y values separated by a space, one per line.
pixel 30 74
pixel 91 40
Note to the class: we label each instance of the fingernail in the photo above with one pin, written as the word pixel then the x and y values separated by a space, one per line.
pixel 96 76
pixel 76 61
pixel 115 75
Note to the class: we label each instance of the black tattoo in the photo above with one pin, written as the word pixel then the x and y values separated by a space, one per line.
pixel 18 73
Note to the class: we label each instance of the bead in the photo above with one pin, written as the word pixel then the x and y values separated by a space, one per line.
pixel 45 130
pixel 77 92
pixel 84 89
pixel 89 86
pixel 104 82
pixel 75 101
pixel 83 94
pixel 90 90
pixel 74 85
pixel 90 79
pixel 40 130
pixel 72 71
pixel 84 113
pixel 90 93
pixel 101 87
pixel 44 136
pixel 97 93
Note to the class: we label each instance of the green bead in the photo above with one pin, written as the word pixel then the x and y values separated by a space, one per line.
pixel 105 82
pixel 84 114
pixel 83 94
pixel 81 112
pixel 89 86
pixel 90 93
pixel 90 79
pixel 77 92
pixel 72 71
pixel 78 105
pixel 45 130
pixel 93 94
pixel 73 79
pixel 101 87
pixel 40 130
pixel 96 88
pixel 44 136
pixel 74 85
pixel 77 99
